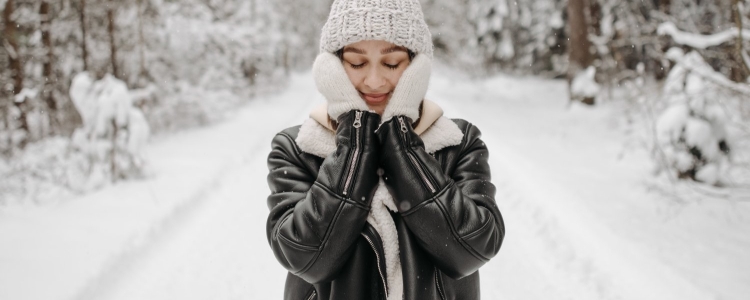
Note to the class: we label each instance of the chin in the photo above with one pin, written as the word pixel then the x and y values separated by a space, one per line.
pixel 380 108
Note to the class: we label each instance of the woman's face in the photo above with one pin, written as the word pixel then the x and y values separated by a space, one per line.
pixel 374 67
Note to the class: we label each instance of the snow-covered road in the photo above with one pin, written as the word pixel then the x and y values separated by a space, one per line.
pixel 580 222
pixel 218 249
pixel 575 198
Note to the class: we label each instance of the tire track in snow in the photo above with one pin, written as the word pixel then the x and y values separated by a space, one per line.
pixel 532 263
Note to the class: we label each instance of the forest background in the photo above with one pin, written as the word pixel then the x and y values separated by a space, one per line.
pixel 85 83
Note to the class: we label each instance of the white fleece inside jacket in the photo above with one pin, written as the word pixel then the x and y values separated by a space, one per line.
pixel 319 140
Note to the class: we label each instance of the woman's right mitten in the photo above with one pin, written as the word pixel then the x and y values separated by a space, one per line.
pixel 334 84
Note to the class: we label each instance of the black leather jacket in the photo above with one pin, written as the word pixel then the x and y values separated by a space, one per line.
pixel 448 223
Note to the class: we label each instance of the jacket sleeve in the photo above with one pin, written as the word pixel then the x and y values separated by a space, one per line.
pixel 315 220
pixel 453 216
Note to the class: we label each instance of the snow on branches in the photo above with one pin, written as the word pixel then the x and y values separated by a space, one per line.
pixel 699 41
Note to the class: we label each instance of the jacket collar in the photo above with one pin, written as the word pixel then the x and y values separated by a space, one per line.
pixel 316 135
pixel 431 112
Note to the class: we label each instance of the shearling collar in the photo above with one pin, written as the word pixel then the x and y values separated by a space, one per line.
pixel 317 137
pixel 431 112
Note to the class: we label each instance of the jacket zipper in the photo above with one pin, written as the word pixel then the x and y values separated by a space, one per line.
pixel 413 159
pixel 377 261
pixel 439 284
pixel 357 124
pixel 312 296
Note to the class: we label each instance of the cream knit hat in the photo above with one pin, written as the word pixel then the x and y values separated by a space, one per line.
pixel 397 21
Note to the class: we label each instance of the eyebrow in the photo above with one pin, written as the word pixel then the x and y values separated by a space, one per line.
pixel 384 51
pixel 393 49
pixel 355 50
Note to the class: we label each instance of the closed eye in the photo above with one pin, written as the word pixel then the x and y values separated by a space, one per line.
pixel 391 66
pixel 357 66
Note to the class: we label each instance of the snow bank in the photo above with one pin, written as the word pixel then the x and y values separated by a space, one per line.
pixel 584 85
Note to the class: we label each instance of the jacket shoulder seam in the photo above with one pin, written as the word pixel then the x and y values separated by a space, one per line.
pixel 465 129
pixel 297 150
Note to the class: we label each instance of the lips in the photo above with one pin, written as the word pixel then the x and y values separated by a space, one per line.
pixel 375 98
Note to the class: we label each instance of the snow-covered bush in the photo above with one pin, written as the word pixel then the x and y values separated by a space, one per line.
pixel 45 172
pixel 113 132
pixel 691 133
pixel 107 147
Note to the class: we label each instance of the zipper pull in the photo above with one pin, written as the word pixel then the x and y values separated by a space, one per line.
pixel 403 125
pixel 358 119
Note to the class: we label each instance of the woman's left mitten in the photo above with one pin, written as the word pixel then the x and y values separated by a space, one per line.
pixel 410 90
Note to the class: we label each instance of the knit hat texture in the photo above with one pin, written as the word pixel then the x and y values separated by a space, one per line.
pixel 400 22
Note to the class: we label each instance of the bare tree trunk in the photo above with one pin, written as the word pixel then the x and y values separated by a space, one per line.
pixel 16 65
pixel 112 46
pixel 113 152
pixel 664 6
pixel 740 71
pixel 47 68
pixel 252 10
pixel 286 58
pixel 11 38
pixel 141 41
pixel 579 45
pixel 84 47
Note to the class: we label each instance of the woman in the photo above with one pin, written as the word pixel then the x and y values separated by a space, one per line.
pixel 377 195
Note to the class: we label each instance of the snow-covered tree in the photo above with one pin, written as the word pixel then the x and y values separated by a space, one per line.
pixel 692 138
pixel 451 31
pixel 114 130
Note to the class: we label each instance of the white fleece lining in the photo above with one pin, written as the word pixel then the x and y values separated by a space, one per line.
pixel 443 133
pixel 381 220
pixel 314 138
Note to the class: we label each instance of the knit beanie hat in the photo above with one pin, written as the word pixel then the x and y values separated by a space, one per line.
pixel 400 22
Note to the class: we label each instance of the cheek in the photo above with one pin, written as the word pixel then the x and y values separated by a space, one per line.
pixel 355 76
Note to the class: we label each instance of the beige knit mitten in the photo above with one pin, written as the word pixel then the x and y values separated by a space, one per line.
pixel 334 84
pixel 410 90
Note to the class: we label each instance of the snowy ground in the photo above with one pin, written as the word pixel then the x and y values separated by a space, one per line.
pixel 581 221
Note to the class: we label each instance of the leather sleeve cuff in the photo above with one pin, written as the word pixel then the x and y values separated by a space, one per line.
pixel 411 174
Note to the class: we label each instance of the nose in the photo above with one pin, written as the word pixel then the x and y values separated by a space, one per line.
pixel 374 79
